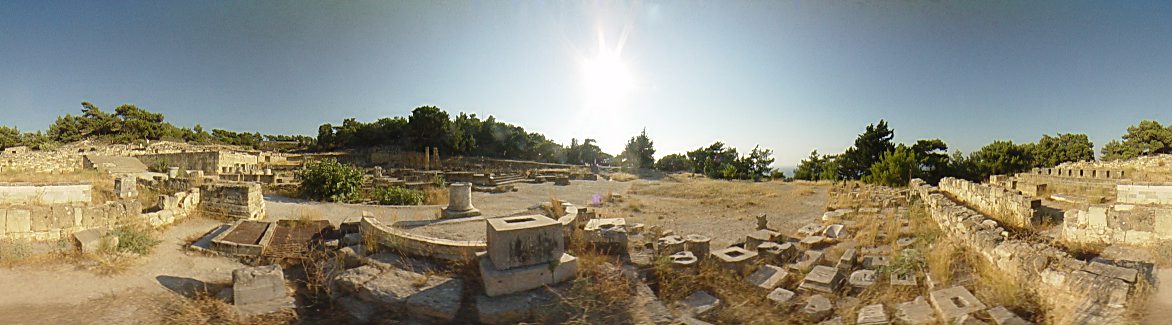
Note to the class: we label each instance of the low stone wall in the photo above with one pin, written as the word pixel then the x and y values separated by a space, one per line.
pixel 57 221
pixel 1119 223
pixel 233 201
pixel 1070 290
pixel 1008 207
pixel 1144 194
pixel 45 194
pixel 413 244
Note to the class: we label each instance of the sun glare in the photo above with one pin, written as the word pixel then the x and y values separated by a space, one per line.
pixel 606 80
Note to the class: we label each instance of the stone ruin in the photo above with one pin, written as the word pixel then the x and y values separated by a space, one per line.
pixel 524 252
pixel 460 202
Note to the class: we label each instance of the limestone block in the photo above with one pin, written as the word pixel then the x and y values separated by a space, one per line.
pixel 501 282
pixel 759 236
pixel 915 312
pixel 735 258
pixel 903 278
pixel 684 262
pixel 1128 275
pixel 954 302
pixel 781 296
pixel 511 309
pixel 360 311
pixel 260 290
pixel 460 202
pixel 862 279
pixel 872 315
pixel 90 240
pixel 437 302
pixel 809 259
pixel 768 277
pixel 607 232
pixel 698 245
pixel 523 241
pixel 834 232
pixel 700 303
pixel 809 230
pixel 874 262
pixel 42 218
pixel 847 261
pixel 817 308
pixel 668 245
pixel 18 221
pixel 822 279
pixel 1002 316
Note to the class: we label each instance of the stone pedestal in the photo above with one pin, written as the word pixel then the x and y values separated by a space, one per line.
pixel 460 202
pixel 260 290
pixel 524 252
pixel 126 187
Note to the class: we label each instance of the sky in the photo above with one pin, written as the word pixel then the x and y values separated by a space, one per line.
pixel 791 76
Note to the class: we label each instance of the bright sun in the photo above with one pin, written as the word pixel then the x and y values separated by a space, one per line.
pixel 606 80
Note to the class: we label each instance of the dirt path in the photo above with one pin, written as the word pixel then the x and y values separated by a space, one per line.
pixel 32 293
pixel 1159 309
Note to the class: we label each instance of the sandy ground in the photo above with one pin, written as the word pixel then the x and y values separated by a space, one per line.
pixel 64 294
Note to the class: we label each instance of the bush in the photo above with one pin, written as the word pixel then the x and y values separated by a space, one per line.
pixel 395 195
pixel 135 239
pixel 329 180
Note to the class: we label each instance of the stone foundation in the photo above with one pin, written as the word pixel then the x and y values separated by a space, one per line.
pixel 233 201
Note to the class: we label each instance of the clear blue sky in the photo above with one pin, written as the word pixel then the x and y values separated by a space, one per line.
pixel 791 76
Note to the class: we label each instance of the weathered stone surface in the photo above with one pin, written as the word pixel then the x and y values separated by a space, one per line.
pixel 862 279
pixel 609 232
pixel 834 232
pixel 872 315
pixel 88 241
pixel 439 302
pixel 524 241
pixel 822 279
pixel 668 245
pixel 684 262
pixel 817 308
pixel 954 302
pixel 810 229
pixel 513 308
pixel 260 290
pixel 874 262
pixel 460 201
pixel 917 311
pixel 847 260
pixel 781 296
pixel 1002 316
pixel 501 282
pixel 700 303
pixel 759 236
pixel 699 245
pixel 735 258
pixel 903 278
pixel 837 320
pixel 808 260
pixel 768 277
pixel 391 288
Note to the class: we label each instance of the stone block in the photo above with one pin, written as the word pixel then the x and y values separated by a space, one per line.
pixel 42 219
pixel 438 302
pixel 510 309
pixel 915 312
pixel 1126 274
pixel 524 241
pixel 700 303
pixel 358 310
pixel 781 296
pixel 834 232
pixel 668 245
pixel 872 315
pixel 607 232
pixel 808 260
pixel 260 290
pixel 501 282
pixel 874 262
pixel 954 302
pixel 735 258
pixel 822 279
pixel 903 278
pixel 759 236
pixel 684 262
pixel 699 245
pixel 18 221
pixel 846 262
pixel 817 308
pixel 862 279
pixel 89 241
pixel 768 277
pixel 1002 316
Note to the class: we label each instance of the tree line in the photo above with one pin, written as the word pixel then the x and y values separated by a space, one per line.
pixel 128 124
pixel 875 158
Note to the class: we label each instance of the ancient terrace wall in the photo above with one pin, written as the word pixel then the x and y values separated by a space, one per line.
pixel 1159 194
pixel 56 221
pixel 210 162
pixel 1006 206
pixel 1142 216
pixel 232 201
pixel 1083 182
pixel 43 194
pixel 1071 291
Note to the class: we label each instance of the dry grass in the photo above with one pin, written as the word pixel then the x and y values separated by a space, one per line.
pixel 435 195
pixel 623 177
pixel 205 308
pixel 728 194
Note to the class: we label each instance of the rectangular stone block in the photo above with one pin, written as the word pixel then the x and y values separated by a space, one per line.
pixel 954 302
pixel 502 282
pixel 257 285
pixel 523 241
pixel 18 221
pixel 42 220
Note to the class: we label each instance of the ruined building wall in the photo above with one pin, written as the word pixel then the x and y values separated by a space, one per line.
pixel 44 194
pixel 232 200
pixel 1118 223
pixel 57 221
pixel 1008 207
pixel 1137 193
pixel 205 161
pixel 1071 291
pixel 1084 182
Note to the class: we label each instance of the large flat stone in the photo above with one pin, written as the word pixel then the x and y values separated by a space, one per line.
pixel 823 279
pixel 440 302
pixel 915 312
pixel 954 302
pixel 872 315
pixel 19 221
pixel 768 277
pixel 510 309
pixel 260 290
pixel 501 282
pixel 524 241
pixel 391 289
pixel 700 303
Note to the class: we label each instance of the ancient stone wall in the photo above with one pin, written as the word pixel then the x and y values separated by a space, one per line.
pixel 1071 291
pixel 1082 182
pixel 1118 223
pixel 1008 207
pixel 45 194
pixel 57 221
pixel 1136 193
pixel 232 200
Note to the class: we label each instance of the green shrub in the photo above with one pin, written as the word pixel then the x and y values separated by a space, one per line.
pixel 329 180
pixel 395 195
pixel 135 239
